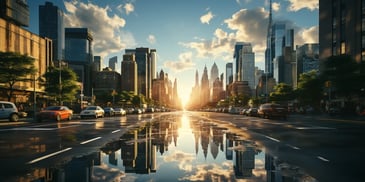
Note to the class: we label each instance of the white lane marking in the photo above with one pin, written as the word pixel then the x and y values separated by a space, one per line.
pixel 314 128
pixel 88 141
pixel 323 159
pixel 293 147
pixel 276 140
pixel 115 131
pixel 31 129
pixel 49 155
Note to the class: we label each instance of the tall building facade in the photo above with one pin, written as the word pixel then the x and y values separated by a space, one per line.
pixel 129 74
pixel 247 63
pixel 229 74
pixel 237 64
pixel 97 63
pixel 15 12
pixel 79 55
pixel 342 29
pixel 214 74
pixel 146 63
pixel 205 92
pixel 113 62
pixel 51 25
pixel 153 56
pixel 14 38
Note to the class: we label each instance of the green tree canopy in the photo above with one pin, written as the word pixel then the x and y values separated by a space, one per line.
pixel 14 68
pixel 61 84
pixel 282 93
pixel 309 91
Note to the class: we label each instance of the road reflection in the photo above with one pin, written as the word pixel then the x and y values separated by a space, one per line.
pixel 176 148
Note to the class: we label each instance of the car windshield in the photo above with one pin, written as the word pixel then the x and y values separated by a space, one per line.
pixel 91 108
pixel 53 108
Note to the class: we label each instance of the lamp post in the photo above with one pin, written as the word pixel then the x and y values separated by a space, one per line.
pixel 34 98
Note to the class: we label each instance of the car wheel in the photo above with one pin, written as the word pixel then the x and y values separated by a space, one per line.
pixel 69 117
pixel 14 117
pixel 82 117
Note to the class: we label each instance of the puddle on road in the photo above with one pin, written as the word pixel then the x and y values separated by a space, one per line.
pixel 177 148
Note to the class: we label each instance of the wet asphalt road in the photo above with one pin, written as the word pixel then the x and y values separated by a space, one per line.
pixel 328 149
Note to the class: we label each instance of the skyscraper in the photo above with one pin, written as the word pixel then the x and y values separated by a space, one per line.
pixel 129 74
pixel 97 63
pixel 247 69
pixel 78 54
pixel 113 61
pixel 229 73
pixel 204 93
pixel 237 63
pixel 214 74
pixel 341 29
pixel 51 26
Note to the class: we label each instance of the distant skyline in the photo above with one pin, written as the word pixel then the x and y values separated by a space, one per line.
pixel 188 34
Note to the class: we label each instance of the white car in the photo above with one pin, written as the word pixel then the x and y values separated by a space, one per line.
pixel 8 110
pixel 92 111
pixel 120 111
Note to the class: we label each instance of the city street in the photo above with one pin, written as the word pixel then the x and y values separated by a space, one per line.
pixel 184 146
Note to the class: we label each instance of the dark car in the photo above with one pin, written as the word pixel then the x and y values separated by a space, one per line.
pixel 270 110
pixel 251 111
pixel 109 111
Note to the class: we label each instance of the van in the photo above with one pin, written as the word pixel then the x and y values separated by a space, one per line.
pixel 8 110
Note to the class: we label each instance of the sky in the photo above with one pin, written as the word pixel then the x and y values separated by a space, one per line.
pixel 187 34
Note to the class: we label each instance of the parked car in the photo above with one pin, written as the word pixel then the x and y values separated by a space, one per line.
pixel 109 111
pixel 251 111
pixel 270 110
pixel 92 111
pixel 8 110
pixel 56 113
pixel 120 111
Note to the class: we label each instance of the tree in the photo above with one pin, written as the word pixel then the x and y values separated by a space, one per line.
pixel 14 68
pixel 282 93
pixel 309 91
pixel 61 84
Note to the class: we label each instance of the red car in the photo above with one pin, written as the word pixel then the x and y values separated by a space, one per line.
pixel 56 113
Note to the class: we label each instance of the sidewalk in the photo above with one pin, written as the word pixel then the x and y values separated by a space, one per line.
pixel 324 116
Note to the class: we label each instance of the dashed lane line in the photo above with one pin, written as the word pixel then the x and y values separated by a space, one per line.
pixel 323 159
pixel 47 156
pixel 271 138
pixel 88 141
pixel 115 131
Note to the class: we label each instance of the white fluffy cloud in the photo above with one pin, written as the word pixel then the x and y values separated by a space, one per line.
pixel 151 39
pixel 206 18
pixel 184 63
pixel 107 32
pixel 275 6
pixel 296 5
pixel 128 8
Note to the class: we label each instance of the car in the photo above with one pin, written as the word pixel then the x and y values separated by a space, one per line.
pixel 8 110
pixel 270 110
pixel 56 113
pixel 92 111
pixel 109 111
pixel 251 111
pixel 120 111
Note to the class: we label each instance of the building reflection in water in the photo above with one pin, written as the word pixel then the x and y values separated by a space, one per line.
pixel 216 154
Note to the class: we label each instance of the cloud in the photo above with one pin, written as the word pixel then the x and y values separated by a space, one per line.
pixel 128 8
pixel 309 35
pixel 206 18
pixel 106 30
pixel 245 26
pixel 275 6
pixel 296 5
pixel 184 63
pixel 151 39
